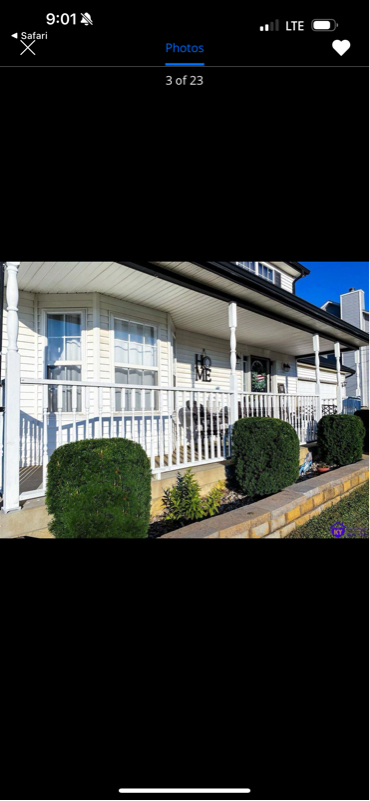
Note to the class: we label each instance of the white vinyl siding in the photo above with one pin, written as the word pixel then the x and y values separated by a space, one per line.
pixel 190 344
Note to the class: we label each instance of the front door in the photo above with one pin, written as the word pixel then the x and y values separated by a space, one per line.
pixel 260 374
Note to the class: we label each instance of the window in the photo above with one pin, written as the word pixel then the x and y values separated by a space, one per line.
pixel 265 272
pixel 261 270
pixel 64 359
pixel 135 359
pixel 248 265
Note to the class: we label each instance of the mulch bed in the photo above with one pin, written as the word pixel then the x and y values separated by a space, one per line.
pixel 232 499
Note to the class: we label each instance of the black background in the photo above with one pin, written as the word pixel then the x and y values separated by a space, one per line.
pixel 151 663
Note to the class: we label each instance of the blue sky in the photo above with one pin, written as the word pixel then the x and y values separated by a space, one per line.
pixel 329 279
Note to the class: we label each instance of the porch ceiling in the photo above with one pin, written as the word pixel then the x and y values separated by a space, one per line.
pixel 191 310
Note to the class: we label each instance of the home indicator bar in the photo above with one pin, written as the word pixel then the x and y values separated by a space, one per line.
pixel 184 791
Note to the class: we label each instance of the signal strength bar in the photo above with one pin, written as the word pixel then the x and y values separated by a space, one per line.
pixel 272 26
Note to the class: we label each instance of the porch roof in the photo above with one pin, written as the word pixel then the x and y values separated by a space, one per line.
pixel 196 295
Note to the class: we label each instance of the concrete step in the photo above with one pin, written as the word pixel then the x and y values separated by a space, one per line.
pixel 32 519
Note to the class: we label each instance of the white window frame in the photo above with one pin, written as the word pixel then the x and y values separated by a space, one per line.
pixel 268 267
pixel 82 362
pixel 127 366
pixel 114 364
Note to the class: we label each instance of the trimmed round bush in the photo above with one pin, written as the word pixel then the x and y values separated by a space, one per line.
pixel 99 488
pixel 266 455
pixel 340 438
pixel 363 414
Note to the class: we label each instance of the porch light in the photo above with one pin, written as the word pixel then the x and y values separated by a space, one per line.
pixel 238 358
pixel 286 367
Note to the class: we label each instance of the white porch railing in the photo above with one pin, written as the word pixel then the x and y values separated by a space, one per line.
pixel 298 410
pixel 177 426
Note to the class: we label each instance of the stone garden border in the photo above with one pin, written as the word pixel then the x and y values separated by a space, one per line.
pixel 278 515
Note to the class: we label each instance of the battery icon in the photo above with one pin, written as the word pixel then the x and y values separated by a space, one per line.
pixel 324 24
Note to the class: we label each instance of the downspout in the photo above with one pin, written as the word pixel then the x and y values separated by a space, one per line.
pixel 295 281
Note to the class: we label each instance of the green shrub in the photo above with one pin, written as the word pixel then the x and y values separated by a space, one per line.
pixel 183 501
pixel 99 488
pixel 266 455
pixel 340 438
pixel 363 414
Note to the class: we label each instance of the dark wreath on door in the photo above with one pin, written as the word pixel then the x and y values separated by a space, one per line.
pixel 259 374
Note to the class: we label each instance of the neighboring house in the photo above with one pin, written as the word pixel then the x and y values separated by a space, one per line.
pixel 169 354
pixel 351 308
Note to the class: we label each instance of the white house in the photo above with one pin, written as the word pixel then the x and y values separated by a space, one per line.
pixel 166 353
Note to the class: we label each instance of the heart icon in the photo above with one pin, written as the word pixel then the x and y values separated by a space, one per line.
pixel 341 47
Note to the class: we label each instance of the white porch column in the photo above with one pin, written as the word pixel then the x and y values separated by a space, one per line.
pixel 233 375
pixel 357 363
pixel 12 394
pixel 316 347
pixel 339 386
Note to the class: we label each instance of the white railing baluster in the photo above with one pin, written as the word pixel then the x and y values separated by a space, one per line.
pixel 205 436
pixel 100 411
pixel 217 427
pixel 60 409
pixel 45 437
pixel 199 427
pixel 161 449
pixel 210 402
pixel 223 427
pixel 177 427
pixel 152 459
pixel 112 411
pixel 170 418
pixel 142 438
pixel 132 397
pixel 74 412
pixel 185 441
pixel 123 404
pixel 192 449
pixel 87 411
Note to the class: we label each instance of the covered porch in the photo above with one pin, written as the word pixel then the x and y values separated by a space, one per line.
pixel 186 417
